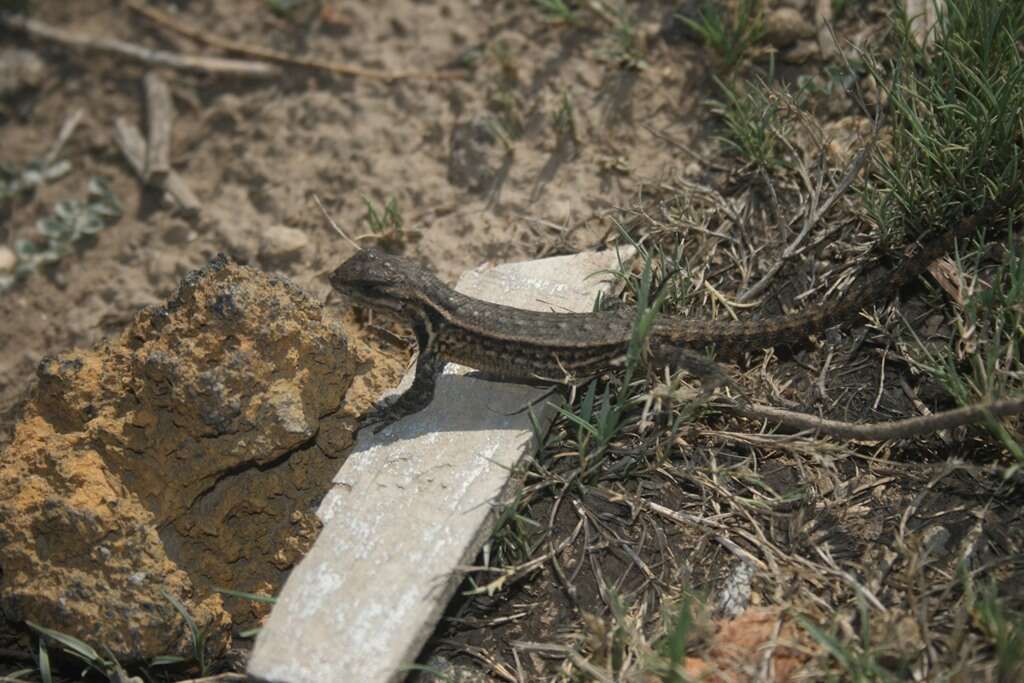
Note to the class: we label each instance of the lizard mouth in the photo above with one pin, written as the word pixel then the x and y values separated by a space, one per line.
pixel 376 298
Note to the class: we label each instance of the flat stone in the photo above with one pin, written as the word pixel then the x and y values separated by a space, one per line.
pixel 415 503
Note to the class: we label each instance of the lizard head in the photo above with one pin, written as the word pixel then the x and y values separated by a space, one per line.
pixel 386 283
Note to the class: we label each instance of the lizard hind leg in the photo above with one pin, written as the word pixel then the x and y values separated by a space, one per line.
pixel 712 376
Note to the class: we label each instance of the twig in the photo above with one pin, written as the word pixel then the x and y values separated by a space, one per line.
pixel 825 553
pixel 922 408
pixel 564 651
pixel 327 216
pixel 881 380
pixel 133 146
pixel 67 129
pixel 600 10
pixel 159 121
pixel 882 431
pixel 168 21
pixel 215 65
pixel 815 214
pixel 822 387
pixel 699 522
pixel 220 678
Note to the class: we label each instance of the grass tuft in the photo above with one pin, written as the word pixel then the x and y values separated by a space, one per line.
pixel 957 147
pixel 728 33
pixel 757 122
pixel 197 635
pixel 957 129
pixel 73 646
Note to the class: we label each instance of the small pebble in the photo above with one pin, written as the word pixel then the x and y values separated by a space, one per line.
pixel 281 244
pixel 20 69
pixel 785 26
pixel 8 260
pixel 803 51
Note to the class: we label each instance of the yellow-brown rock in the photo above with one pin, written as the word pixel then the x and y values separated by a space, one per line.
pixel 184 456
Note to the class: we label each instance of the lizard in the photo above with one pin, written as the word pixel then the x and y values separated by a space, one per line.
pixel 517 344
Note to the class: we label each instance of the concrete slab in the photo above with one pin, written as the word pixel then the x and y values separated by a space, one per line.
pixel 413 503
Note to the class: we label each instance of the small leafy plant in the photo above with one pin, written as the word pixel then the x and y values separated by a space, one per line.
pixel 197 637
pixel 387 226
pixel 17 181
pixel 386 218
pixel 79 649
pixel 71 221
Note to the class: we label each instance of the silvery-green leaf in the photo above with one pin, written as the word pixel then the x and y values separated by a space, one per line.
pixel 31 178
pixel 103 199
pixel 54 228
pixel 26 248
pixel 75 225
pixel 107 209
pixel 28 256
pixel 67 209
pixel 57 170
pixel 90 223
pixel 53 255
pixel 97 187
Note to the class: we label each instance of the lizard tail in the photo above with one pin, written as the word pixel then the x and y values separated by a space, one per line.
pixel 733 338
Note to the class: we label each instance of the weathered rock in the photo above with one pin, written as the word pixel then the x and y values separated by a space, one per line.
pixel 180 457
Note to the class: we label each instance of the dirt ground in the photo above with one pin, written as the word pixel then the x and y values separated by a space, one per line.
pixel 504 136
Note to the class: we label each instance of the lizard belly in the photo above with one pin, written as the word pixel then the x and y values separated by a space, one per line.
pixel 518 360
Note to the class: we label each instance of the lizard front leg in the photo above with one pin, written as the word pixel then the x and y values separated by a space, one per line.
pixel 419 395
pixel 421 392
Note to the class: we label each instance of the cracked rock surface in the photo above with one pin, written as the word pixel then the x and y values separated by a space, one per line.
pixel 188 454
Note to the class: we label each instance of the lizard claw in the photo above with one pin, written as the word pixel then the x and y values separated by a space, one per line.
pixel 382 415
